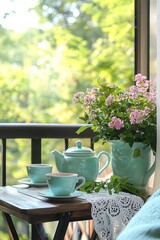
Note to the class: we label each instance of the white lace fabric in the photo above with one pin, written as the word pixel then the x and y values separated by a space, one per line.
pixel 111 213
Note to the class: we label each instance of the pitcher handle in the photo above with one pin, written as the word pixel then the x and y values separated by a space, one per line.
pixel 106 163
pixel 82 182
pixel 149 173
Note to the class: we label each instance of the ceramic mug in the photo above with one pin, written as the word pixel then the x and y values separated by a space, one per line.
pixel 37 172
pixel 63 184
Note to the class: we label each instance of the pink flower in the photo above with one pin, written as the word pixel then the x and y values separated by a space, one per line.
pixel 133 92
pixel 94 90
pixel 137 116
pixel 140 78
pixel 116 123
pixel 87 99
pixel 77 97
pixel 142 83
pixel 109 100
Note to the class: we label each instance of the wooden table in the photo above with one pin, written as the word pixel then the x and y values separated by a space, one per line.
pixel 27 205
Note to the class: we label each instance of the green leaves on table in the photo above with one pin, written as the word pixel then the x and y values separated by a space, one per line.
pixel 115 184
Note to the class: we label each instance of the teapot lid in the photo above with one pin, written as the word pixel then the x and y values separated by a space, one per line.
pixel 79 150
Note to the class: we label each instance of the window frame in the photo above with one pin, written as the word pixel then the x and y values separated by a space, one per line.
pixel 142 37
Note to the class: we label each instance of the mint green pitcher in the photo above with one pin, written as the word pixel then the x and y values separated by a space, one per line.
pixel 133 162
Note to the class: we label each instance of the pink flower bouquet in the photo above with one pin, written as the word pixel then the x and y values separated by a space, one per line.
pixel 115 114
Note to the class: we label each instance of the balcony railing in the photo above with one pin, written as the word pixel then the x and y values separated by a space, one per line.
pixel 36 133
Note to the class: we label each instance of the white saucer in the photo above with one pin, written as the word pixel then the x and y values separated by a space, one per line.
pixel 21 186
pixel 47 193
pixel 28 182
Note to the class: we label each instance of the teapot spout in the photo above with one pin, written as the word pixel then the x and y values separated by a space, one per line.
pixel 59 159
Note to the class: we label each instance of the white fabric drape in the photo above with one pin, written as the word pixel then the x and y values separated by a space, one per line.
pixel 157 171
pixel 111 213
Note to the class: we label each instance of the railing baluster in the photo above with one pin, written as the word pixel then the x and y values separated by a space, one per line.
pixel 66 143
pixel 92 143
pixel 36 150
pixel 3 162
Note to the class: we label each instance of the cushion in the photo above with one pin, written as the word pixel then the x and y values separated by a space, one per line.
pixel 145 225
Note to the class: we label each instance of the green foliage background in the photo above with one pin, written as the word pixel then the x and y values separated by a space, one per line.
pixel 41 69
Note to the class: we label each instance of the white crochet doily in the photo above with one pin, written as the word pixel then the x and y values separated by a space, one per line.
pixel 111 213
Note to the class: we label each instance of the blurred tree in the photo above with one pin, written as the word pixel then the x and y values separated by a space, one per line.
pixel 42 68
pixel 92 39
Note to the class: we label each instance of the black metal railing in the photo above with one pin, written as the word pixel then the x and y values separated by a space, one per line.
pixel 36 132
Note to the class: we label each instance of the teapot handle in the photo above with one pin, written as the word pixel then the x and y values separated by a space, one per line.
pixel 83 180
pixel 149 173
pixel 106 163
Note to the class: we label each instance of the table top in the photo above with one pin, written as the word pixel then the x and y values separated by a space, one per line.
pixel 28 205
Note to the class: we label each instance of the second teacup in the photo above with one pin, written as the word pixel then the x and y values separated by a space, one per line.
pixel 63 184
pixel 37 172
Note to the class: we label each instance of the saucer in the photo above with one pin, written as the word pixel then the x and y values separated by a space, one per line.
pixel 47 194
pixel 28 182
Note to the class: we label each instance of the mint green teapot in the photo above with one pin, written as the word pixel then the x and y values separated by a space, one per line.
pixel 81 160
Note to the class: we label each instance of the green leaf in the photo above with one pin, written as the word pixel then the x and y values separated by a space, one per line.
pixel 137 153
pixel 82 129
pixel 96 139
pixel 115 184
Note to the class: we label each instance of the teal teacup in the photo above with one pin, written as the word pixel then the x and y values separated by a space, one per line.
pixel 37 172
pixel 64 184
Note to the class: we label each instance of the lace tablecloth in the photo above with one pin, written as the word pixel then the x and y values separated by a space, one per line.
pixel 111 213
